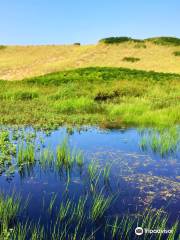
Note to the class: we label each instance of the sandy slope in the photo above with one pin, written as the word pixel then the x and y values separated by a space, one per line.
pixel 18 62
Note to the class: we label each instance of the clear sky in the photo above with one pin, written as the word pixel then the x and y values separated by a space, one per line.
pixel 85 21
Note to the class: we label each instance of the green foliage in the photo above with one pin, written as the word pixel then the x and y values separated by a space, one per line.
pixel 177 53
pixel 112 40
pixel 98 74
pixel 92 96
pixel 9 208
pixel 77 105
pixel 163 141
pixel 99 206
pixel 131 59
pixel 106 94
pixel 19 95
pixel 169 41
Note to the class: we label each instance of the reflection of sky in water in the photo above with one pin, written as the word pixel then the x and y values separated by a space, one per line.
pixel 121 146
pixel 135 173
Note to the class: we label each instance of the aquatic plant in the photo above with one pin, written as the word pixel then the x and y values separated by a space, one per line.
pixel 9 208
pixel 106 171
pixel 79 159
pixel 64 157
pixel 163 141
pixel 93 168
pixel 52 202
pixel 26 153
pixel 65 209
pixel 100 205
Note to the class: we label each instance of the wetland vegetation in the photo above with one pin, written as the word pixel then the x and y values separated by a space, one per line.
pixel 92 152
pixel 87 195
pixel 105 96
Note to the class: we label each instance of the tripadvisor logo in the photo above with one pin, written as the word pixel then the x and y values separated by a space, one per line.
pixel 139 231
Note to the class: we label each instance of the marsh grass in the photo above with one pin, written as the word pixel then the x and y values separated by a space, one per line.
pixel 162 141
pixel 92 96
pixel 76 217
pixel 26 154
pixel 19 95
pixel 77 105
pixel 100 205
pixel 9 208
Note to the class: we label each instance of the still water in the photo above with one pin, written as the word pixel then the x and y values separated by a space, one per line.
pixel 140 178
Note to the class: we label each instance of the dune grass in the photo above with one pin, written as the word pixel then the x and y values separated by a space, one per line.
pixel 93 96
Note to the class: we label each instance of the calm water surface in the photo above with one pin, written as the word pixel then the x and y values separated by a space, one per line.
pixel 140 177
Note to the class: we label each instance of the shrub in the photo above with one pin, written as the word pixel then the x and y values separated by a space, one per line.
pixel 112 40
pixel 77 44
pixel 2 47
pixel 177 53
pixel 131 59
pixel 105 94
pixel 172 41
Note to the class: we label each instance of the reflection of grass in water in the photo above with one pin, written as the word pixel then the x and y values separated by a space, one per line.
pixel 162 141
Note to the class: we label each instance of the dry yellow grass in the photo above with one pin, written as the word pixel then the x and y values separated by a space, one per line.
pixel 18 62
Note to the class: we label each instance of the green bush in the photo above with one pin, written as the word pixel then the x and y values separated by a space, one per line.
pixel 131 59
pixel 105 94
pixel 177 53
pixel 171 41
pixel 112 40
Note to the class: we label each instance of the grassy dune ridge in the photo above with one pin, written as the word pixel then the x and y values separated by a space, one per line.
pixel 105 96
pixel 156 54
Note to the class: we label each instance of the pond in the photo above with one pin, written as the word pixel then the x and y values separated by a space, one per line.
pixel 89 183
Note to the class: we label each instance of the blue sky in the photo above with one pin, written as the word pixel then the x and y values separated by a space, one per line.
pixel 85 21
